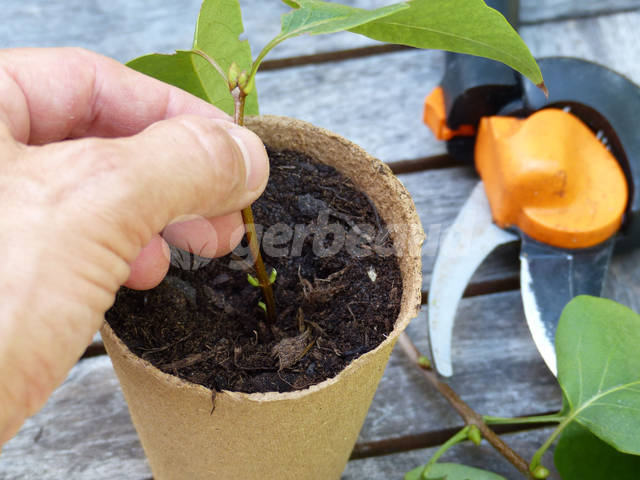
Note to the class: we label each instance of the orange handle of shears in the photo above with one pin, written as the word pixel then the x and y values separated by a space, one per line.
pixel 550 176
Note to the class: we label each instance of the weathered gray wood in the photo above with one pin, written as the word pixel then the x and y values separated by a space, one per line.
pixel 83 432
pixel 548 10
pixel 126 29
pixel 375 102
pixel 393 467
pixel 438 196
pixel 612 40
pixel 511 380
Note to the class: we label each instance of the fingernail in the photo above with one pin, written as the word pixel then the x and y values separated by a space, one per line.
pixel 256 163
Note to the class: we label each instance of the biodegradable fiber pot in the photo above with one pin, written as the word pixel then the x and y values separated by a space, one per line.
pixel 306 434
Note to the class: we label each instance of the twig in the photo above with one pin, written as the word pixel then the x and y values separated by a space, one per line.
pixel 469 416
pixel 247 217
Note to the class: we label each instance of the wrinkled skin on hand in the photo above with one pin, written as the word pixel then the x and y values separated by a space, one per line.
pixel 96 161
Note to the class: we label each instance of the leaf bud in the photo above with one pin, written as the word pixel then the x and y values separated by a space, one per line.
pixel 272 276
pixel 262 306
pixel 424 362
pixel 540 472
pixel 253 281
pixel 242 79
pixel 475 435
pixel 232 76
pixel 248 88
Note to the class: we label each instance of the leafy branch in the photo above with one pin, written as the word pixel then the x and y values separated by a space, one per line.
pixel 465 26
pixel 467 414
pixel 599 373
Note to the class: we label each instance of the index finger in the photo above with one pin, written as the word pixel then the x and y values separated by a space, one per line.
pixel 53 94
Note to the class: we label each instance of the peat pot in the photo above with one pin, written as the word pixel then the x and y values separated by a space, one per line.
pixel 303 435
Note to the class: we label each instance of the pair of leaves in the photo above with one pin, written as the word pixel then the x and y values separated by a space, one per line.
pixel 599 372
pixel 217 33
pixel 462 26
pixel 218 29
pixel 466 26
pixel 452 471
pixel 599 369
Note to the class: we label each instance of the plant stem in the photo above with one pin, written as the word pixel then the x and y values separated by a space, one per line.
pixel 252 237
pixel 469 416
pixel 239 97
pixel 535 461
pixel 263 53
pixel 261 272
pixel 555 418
pixel 211 61
pixel 461 436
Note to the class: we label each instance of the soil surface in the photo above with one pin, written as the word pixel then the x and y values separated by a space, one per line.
pixel 337 291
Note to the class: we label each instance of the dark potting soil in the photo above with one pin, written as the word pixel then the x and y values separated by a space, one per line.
pixel 337 292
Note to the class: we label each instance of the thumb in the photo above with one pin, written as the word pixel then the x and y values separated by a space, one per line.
pixel 186 165
pixel 76 213
pixel 192 165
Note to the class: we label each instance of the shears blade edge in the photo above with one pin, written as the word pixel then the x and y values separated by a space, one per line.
pixel 550 277
pixel 466 244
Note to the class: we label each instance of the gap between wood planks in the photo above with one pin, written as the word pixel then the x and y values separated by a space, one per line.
pixel 435 438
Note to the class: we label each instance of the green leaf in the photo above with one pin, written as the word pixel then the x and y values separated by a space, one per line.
pixel 463 26
pixel 315 17
pixel 217 34
pixel 174 69
pixel 599 369
pixel 580 455
pixel 452 471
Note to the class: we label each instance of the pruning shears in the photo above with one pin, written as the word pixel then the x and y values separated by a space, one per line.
pixel 561 175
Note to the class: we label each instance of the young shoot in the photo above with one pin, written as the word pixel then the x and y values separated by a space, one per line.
pixel 464 26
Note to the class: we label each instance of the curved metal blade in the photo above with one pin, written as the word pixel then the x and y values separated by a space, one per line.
pixel 470 239
pixel 549 278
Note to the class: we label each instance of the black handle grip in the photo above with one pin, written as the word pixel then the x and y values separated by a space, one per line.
pixel 476 87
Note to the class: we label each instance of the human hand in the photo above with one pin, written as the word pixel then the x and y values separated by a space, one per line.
pixel 95 161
